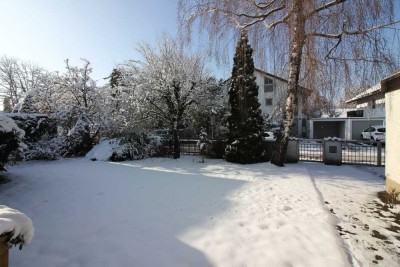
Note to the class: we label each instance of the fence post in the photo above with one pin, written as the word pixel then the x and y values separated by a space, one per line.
pixel 379 151
pixel 332 152
pixel 3 251
pixel 292 152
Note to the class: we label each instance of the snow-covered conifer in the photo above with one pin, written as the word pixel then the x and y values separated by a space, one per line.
pixel 28 104
pixel 245 122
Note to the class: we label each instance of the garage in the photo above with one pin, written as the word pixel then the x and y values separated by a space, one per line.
pixel 329 128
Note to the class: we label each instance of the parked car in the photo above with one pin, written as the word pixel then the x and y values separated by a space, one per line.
pixel 268 136
pixel 163 134
pixel 374 133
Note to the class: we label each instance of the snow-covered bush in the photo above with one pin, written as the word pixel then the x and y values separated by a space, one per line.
pixel 76 143
pixel 35 126
pixel 203 144
pixel 132 147
pixel 51 149
pixel 238 151
pixel 16 226
pixel 11 144
pixel 78 139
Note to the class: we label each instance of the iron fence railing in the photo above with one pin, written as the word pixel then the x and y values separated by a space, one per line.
pixel 366 152
pixel 189 147
pixel 353 151
pixel 311 150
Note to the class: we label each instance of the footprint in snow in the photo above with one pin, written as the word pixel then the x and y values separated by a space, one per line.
pixel 287 208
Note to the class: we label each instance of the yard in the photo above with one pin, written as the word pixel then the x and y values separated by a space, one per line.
pixel 165 212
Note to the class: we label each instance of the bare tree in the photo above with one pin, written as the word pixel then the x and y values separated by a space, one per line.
pixel 303 36
pixel 170 80
pixel 18 77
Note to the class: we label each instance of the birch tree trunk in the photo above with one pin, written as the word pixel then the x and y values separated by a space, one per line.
pixel 296 51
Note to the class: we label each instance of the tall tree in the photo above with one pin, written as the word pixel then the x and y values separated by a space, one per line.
pixel 171 81
pixel 305 36
pixel 245 122
pixel 18 77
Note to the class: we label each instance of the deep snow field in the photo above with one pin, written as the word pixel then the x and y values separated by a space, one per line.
pixel 165 212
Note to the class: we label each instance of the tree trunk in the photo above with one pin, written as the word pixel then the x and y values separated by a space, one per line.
pixel 177 148
pixel 296 50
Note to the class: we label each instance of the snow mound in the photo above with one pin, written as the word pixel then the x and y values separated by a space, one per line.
pixel 16 222
pixel 103 150
pixel 333 139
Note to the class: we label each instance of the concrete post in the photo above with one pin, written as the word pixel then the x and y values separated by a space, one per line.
pixel 292 153
pixel 332 152
pixel 379 155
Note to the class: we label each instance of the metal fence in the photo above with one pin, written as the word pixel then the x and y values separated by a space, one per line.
pixel 353 152
pixel 311 150
pixel 189 147
pixel 366 152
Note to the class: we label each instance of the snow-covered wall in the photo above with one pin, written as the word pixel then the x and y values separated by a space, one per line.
pixel 392 170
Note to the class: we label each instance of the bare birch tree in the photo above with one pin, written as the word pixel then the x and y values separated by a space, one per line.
pixel 302 36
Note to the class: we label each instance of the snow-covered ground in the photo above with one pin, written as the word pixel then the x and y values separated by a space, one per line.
pixel 165 212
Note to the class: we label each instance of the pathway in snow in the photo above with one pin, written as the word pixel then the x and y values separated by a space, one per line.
pixel 163 212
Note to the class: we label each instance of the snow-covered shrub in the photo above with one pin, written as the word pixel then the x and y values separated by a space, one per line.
pixel 238 151
pixel 47 149
pixel 216 149
pixel 16 226
pixel 132 147
pixel 78 139
pixel 203 144
pixel 35 126
pixel 11 144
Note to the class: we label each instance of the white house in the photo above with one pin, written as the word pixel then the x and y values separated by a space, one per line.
pixel 390 87
pixel 370 104
pixel 272 92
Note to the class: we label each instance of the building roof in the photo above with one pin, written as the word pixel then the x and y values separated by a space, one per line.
pixel 391 83
pixel 374 90
pixel 279 78
pixel 272 75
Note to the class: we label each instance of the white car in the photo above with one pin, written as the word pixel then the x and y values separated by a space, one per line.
pixel 374 133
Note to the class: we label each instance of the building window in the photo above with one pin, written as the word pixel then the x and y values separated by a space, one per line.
pixel 373 103
pixel 268 101
pixel 268 85
pixel 355 113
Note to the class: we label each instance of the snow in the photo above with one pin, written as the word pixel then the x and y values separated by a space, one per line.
pixel 103 150
pixel 19 224
pixel 8 125
pixel 165 212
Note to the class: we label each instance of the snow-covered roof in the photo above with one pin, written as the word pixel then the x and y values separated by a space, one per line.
pixel 370 91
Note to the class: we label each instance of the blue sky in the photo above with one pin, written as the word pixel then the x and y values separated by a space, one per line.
pixel 105 32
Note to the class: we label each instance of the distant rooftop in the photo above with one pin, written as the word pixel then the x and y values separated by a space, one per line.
pixel 376 89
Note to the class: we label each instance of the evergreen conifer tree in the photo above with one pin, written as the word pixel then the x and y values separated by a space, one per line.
pixel 28 105
pixel 245 122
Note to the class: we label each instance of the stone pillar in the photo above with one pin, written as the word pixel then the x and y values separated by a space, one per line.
pixel 292 153
pixel 332 152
